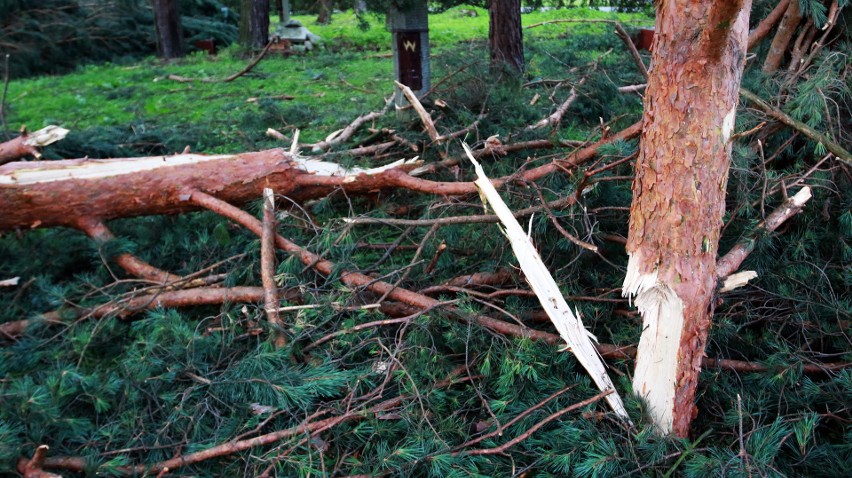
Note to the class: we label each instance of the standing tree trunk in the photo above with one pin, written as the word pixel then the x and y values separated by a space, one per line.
pixel 254 23
pixel 505 36
pixel 679 196
pixel 167 26
pixel 324 14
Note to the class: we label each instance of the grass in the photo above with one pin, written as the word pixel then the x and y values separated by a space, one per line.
pixel 350 73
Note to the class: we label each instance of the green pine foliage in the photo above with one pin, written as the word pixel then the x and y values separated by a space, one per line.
pixel 139 390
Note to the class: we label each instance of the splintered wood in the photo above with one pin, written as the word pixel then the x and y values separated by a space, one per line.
pixel 568 324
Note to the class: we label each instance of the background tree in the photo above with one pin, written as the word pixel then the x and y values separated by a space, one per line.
pixel 168 28
pixel 254 23
pixel 505 36
pixel 679 196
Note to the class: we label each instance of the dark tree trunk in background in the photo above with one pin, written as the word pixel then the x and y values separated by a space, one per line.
pixel 167 25
pixel 254 23
pixel 505 37
pixel 679 196
pixel 324 15
pixel 279 8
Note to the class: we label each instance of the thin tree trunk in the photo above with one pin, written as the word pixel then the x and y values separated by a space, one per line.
pixel 505 36
pixel 254 23
pixel 168 28
pixel 679 196
pixel 324 14
pixel 782 37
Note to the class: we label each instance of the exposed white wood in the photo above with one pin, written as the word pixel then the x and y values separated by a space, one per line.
pixel 10 282
pixel 657 357
pixel 324 168
pixel 569 325
pixel 102 168
pixel 737 280
pixel 45 136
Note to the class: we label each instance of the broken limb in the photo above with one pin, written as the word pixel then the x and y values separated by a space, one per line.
pixel 114 188
pixel 131 264
pixel 59 193
pixel 730 262
pixel 569 324
pixel 250 66
pixel 267 269
pixel 831 146
pixel 523 436
pixel 425 117
pixel 767 24
pixel 29 144
pixel 133 305
pixel 347 132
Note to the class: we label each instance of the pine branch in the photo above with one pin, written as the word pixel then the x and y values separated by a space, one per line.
pixel 839 152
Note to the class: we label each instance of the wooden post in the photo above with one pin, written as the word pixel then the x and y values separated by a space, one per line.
pixel 410 33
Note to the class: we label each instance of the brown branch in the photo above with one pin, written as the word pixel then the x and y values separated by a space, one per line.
pixel 731 261
pixel 250 66
pixel 128 307
pixel 444 221
pixel 523 436
pixel 631 47
pixel 28 144
pixel 131 264
pixel 499 431
pixel 347 132
pixel 789 23
pixel 767 24
pixel 267 269
pixel 839 152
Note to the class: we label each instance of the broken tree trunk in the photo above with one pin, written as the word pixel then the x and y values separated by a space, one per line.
pixel 679 197
pixel 64 193
pixel 69 192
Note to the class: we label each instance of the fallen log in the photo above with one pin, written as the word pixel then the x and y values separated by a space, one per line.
pixel 77 191
pixel 65 193
pixel 28 144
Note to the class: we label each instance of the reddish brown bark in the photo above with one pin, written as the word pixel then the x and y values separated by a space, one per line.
pixel 679 189
pixel 767 24
pixel 781 40
pixel 15 149
pixel 236 179
pixel 130 263
pixel 505 36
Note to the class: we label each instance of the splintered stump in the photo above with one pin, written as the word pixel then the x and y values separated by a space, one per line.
pixel 73 192
pixel 679 197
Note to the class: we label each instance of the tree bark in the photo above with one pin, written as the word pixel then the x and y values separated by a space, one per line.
pixel 74 192
pixel 254 23
pixel 767 24
pixel 505 36
pixel 71 192
pixel 168 28
pixel 679 196
pixel 324 14
pixel 782 38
